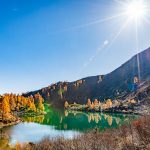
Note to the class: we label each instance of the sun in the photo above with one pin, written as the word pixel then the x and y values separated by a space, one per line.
pixel 136 9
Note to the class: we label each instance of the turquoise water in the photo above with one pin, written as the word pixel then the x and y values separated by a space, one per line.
pixel 57 123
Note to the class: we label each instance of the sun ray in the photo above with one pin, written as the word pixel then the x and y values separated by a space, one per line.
pixel 136 11
pixel 120 31
pixel 137 49
pixel 92 23
pixel 100 49
pixel 99 21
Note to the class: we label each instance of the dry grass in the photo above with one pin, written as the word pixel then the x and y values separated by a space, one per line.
pixel 133 137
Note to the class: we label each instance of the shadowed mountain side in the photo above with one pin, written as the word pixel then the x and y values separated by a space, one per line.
pixel 122 78
pixel 142 94
pixel 118 83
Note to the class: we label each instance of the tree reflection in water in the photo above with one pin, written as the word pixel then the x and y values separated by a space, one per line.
pixel 80 121
pixel 102 120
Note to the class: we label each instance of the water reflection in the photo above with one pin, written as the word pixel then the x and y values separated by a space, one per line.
pixel 85 121
pixel 33 132
pixel 37 119
pixel 81 121
pixel 58 123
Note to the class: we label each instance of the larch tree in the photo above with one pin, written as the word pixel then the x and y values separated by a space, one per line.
pixel 40 103
pixel 12 102
pixel 24 101
pixel 92 106
pixel 66 105
pixel 31 104
pixel 89 103
pixel 109 103
pixel 96 102
pixel 5 105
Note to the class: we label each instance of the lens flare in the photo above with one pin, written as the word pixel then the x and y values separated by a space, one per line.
pixel 136 9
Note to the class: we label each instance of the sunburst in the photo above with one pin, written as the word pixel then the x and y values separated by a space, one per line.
pixel 136 12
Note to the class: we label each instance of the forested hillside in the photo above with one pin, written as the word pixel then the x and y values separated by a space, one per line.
pixel 117 84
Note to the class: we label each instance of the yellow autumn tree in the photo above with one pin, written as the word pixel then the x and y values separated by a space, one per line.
pixel 12 102
pixel 66 105
pixel 18 102
pixel 95 102
pixel 92 106
pixel 24 101
pixel 133 101
pixel 40 103
pixel 116 103
pixel 89 103
pixel 31 104
pixel 5 105
pixel 19 98
pixel 109 103
pixel 104 106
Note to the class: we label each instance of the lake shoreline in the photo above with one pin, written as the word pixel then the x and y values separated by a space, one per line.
pixel 18 120
pixel 108 112
pixel 63 123
pixel 3 125
pixel 134 110
pixel 110 139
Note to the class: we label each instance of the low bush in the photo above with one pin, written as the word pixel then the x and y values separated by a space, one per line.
pixel 136 136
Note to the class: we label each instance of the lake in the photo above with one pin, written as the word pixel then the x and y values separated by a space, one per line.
pixel 57 123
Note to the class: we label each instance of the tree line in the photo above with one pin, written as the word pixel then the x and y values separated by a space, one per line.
pixel 10 103
pixel 97 105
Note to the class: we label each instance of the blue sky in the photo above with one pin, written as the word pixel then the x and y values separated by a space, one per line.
pixel 45 41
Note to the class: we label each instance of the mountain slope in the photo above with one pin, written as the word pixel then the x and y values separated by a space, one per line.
pixel 115 84
pixel 122 78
